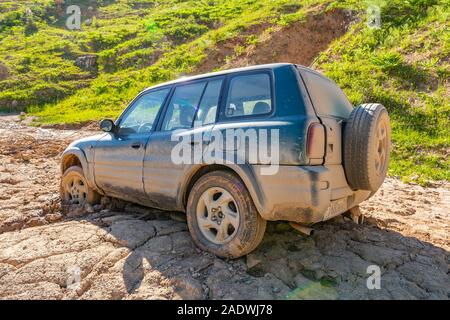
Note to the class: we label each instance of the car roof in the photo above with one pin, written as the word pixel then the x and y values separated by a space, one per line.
pixel 219 73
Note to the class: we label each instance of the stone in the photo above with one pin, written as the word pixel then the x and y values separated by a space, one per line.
pixel 87 62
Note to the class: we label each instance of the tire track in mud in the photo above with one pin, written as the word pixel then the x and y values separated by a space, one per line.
pixel 123 251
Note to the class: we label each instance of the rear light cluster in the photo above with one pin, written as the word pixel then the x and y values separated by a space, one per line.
pixel 315 142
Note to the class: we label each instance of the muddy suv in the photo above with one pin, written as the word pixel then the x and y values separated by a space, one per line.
pixel 329 156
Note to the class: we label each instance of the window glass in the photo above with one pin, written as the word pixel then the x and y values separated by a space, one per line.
pixel 249 95
pixel 327 98
pixel 207 110
pixel 181 109
pixel 141 116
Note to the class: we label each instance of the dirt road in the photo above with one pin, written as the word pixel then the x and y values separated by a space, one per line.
pixel 122 251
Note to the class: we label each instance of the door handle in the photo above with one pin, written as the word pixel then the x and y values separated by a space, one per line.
pixel 136 145
pixel 194 142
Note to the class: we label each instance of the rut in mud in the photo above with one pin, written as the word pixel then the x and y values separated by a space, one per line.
pixel 121 251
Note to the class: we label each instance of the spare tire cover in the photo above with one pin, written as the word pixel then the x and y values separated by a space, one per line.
pixel 367 141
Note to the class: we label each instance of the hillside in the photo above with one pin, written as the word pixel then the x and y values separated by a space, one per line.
pixel 137 43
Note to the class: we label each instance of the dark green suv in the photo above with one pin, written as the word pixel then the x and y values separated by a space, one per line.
pixel 234 149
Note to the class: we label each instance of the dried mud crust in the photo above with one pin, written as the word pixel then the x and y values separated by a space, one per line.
pixel 122 251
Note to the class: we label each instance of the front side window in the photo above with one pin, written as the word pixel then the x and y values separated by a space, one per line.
pixel 182 106
pixel 249 95
pixel 141 116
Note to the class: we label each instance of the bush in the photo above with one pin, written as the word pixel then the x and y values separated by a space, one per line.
pixel 30 27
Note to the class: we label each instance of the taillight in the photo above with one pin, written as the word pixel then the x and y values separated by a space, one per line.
pixel 315 142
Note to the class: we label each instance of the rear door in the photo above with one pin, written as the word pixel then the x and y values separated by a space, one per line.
pixel 188 117
pixel 247 108
pixel 332 107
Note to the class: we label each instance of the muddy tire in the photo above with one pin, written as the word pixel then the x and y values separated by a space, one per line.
pixel 74 188
pixel 221 216
pixel 367 141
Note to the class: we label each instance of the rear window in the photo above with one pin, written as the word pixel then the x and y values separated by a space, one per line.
pixel 327 98
pixel 249 95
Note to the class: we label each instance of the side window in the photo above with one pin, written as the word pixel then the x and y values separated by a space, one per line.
pixel 328 99
pixel 207 110
pixel 141 116
pixel 249 95
pixel 181 109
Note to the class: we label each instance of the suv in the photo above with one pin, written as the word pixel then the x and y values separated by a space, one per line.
pixel 329 156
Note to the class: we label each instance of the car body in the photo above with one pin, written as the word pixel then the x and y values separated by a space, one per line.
pixel 134 160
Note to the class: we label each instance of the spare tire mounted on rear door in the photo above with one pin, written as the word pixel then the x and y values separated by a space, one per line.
pixel 367 140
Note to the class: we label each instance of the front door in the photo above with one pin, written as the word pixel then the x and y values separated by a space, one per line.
pixel 118 157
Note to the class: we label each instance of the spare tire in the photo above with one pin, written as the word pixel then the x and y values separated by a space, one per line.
pixel 367 141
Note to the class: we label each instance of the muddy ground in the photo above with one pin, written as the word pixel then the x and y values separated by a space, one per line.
pixel 122 251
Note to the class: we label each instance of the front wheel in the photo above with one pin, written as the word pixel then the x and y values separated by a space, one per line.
pixel 74 188
pixel 221 216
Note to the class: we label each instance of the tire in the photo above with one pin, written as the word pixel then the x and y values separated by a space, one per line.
pixel 248 227
pixel 82 194
pixel 367 141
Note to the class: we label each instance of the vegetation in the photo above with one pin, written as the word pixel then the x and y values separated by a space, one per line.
pixel 405 66
pixel 137 43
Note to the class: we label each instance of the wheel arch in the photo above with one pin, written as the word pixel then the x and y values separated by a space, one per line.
pixel 244 172
pixel 75 156
pixel 70 160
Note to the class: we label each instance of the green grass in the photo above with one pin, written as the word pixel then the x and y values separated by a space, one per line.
pixel 405 66
pixel 138 43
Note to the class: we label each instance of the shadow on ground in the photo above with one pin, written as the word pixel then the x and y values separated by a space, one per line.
pixel 331 264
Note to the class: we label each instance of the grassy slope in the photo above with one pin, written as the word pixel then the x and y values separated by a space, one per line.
pixel 404 65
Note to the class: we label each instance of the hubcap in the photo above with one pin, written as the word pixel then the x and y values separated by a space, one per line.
pixel 381 151
pixel 75 190
pixel 217 215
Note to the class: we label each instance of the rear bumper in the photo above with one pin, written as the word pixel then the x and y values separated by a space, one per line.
pixel 306 194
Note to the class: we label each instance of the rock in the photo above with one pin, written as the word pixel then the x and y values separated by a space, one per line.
pixel 89 208
pixel 97 207
pixel 105 201
pixel 53 217
pixel 117 204
pixel 178 216
pixel 75 211
pixel 87 62
pixel 159 244
pixel 132 233
pixel 4 72
pixel 134 208
pixel 252 260
pixel 187 287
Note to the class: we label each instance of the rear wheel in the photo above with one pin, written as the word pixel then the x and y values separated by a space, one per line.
pixel 221 216
pixel 74 188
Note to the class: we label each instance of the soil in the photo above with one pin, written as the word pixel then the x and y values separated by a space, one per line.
pixel 118 250
pixel 299 42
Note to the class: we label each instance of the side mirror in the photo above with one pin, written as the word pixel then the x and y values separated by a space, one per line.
pixel 107 125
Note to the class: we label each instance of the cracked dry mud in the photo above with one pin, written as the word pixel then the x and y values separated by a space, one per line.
pixel 123 251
